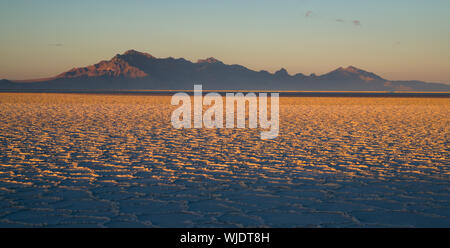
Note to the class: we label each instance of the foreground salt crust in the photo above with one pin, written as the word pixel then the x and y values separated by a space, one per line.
pixel 115 161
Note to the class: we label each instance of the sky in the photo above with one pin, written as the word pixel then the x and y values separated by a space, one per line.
pixel 398 40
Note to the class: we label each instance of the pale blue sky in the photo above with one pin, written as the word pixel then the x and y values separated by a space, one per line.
pixel 395 39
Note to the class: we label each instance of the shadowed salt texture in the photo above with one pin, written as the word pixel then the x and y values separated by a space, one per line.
pixel 69 160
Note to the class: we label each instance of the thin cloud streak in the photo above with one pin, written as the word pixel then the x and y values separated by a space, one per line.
pixel 356 22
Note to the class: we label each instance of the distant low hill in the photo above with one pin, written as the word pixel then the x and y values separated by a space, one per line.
pixel 135 70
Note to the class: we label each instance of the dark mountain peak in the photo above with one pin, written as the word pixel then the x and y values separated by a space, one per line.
pixel 133 57
pixel 299 75
pixel 209 60
pixel 282 73
pixel 133 53
pixel 351 72
pixel 350 69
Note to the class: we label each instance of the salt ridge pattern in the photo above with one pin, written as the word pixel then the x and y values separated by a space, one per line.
pixel 86 160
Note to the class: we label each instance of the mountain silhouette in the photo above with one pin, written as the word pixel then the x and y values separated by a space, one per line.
pixel 135 70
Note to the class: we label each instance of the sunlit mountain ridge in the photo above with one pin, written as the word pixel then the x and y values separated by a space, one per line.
pixel 134 70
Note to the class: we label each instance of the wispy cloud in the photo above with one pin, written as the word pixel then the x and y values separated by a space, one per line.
pixel 396 44
pixel 356 22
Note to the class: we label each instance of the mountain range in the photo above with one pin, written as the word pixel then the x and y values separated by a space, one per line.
pixel 135 70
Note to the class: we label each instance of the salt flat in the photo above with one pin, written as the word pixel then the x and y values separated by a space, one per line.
pixel 86 160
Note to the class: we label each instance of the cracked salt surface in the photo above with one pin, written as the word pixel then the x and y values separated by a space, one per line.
pixel 74 160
